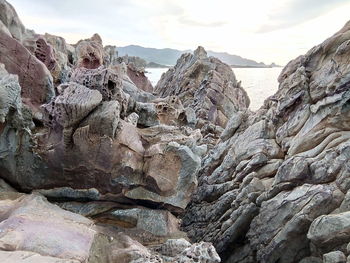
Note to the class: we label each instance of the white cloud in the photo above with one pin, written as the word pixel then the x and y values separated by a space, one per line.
pixel 287 28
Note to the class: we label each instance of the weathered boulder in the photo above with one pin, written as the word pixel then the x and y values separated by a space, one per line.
pixel 129 86
pixel 330 231
pixel 334 257
pixel 30 223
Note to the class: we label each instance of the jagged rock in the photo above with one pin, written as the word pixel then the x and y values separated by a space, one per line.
pixel 270 177
pixel 232 125
pixel 72 105
pixel 33 230
pixel 104 119
pixel 4 187
pixel 105 80
pixel 135 62
pixel 15 131
pixel 34 77
pixel 311 260
pixel 11 21
pixel 111 55
pixel 130 88
pixel 147 226
pixel 295 149
pixel 173 247
pixel 302 205
pixel 132 118
pixel 61 54
pixel 139 78
pixel 207 85
pixel 45 53
pixel 111 246
pixel 201 252
pixel 172 169
pixel 170 111
pixel 147 114
pixel 90 53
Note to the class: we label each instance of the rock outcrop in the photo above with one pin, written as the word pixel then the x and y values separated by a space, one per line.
pixel 206 85
pixel 274 188
pixel 91 142
pixel 95 168
pixel 34 77
pixel 10 22
pixel 33 230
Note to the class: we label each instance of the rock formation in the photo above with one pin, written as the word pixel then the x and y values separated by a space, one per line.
pixel 275 188
pixel 91 142
pixel 206 85
pixel 95 168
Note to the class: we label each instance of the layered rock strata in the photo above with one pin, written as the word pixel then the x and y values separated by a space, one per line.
pixel 274 189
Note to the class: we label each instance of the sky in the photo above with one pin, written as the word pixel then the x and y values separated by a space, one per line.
pixel 264 30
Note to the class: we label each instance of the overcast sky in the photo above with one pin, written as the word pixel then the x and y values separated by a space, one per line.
pixel 263 30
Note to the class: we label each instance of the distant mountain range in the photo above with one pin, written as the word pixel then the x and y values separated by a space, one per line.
pixel 168 56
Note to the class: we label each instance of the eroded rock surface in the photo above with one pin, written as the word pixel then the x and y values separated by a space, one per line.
pixel 206 85
pixel 126 168
pixel 273 189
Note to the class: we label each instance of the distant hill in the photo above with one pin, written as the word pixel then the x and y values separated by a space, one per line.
pixel 168 56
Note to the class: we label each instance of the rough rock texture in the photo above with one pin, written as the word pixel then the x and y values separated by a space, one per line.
pixel 34 78
pixel 45 53
pixel 334 257
pixel 135 70
pixel 138 77
pixel 205 84
pixel 274 186
pixel 90 53
pixel 30 223
pixel 91 142
pixel 111 55
pixel 266 189
pixel 30 257
pixel 105 80
pixel 33 230
pixel 10 21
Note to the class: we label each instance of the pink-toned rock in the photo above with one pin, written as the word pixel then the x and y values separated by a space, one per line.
pixel 34 78
pixel 33 224
pixel 90 52
pixel 139 78
pixel 30 257
pixel 170 110
pixel 45 53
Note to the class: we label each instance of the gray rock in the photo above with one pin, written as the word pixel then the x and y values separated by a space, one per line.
pixel 328 231
pixel 334 257
pixel 205 84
